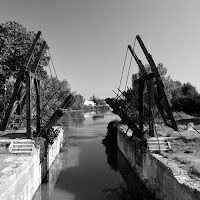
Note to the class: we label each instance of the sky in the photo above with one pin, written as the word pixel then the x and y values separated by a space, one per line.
pixel 88 39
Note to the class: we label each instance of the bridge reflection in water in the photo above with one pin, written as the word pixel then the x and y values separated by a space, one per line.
pixel 97 171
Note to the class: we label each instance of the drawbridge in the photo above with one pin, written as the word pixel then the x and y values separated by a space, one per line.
pixel 27 108
pixel 140 117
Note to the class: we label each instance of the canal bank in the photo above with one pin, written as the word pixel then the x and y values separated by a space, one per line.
pixel 21 173
pixel 163 177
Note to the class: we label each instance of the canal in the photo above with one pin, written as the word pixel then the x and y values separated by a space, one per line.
pixel 87 168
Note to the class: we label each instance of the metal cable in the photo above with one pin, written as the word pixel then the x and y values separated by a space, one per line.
pixel 53 69
pixel 123 68
pixel 128 73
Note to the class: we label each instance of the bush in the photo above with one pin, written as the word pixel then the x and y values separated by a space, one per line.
pixel 51 135
pixel 189 105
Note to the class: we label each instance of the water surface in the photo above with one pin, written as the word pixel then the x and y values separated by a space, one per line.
pixel 90 169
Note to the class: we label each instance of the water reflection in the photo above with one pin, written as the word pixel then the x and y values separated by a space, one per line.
pixel 136 188
pixel 133 188
pixel 47 187
pixel 119 193
pixel 74 118
pixel 90 170
pixel 96 117
pixel 111 153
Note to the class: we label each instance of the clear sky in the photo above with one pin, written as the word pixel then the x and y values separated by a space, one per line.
pixel 88 38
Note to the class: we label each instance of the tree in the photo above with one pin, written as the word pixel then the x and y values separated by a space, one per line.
pixel 189 90
pixel 15 41
pixel 79 102
pixel 186 99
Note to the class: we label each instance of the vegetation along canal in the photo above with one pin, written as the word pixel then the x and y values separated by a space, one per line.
pixel 88 168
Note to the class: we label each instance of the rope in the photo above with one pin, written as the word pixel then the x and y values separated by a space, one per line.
pixel 134 44
pixel 123 68
pixel 52 64
pixel 128 72
pixel 129 65
pixel 51 60
pixel 52 78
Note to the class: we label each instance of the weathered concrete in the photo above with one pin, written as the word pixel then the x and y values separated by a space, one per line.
pixel 54 149
pixel 22 174
pixel 164 178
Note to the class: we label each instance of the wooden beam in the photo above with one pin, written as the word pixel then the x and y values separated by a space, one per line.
pixel 151 104
pixel 157 97
pixel 28 107
pixel 141 105
pixel 20 77
pixel 30 52
pixel 144 78
pixel 159 82
pixel 138 61
pixel 57 114
pixel 37 88
pixel 37 60
pixel 125 118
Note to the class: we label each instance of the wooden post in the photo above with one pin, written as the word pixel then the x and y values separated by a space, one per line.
pixel 20 78
pixel 37 88
pixel 35 65
pixel 141 105
pixel 151 104
pixel 160 84
pixel 138 61
pixel 30 52
pixel 12 100
pixel 28 106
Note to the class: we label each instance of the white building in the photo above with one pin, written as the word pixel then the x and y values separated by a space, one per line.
pixel 89 103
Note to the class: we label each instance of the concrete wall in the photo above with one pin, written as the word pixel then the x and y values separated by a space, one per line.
pixel 163 177
pixel 54 149
pixel 50 180
pixel 25 173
